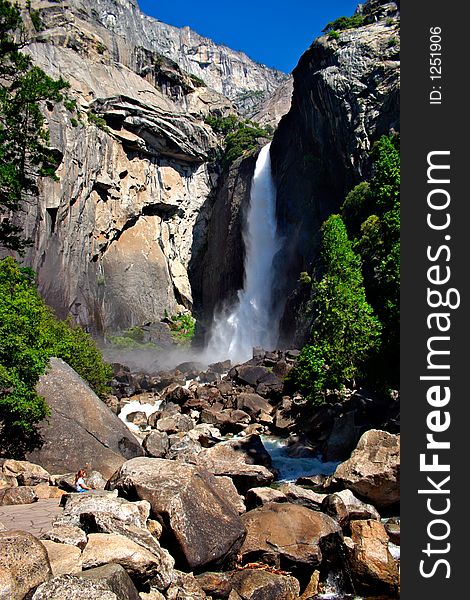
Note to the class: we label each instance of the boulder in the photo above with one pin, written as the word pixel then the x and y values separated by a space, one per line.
pixel 67 534
pixel 110 582
pixel 25 472
pixel 252 584
pixel 64 558
pixel 245 460
pixel 227 420
pixel 200 524
pixel 44 491
pixel 260 496
pixel 290 536
pixel 81 432
pixel 183 447
pixel 104 502
pixel 7 481
pixel 229 490
pixel 116 578
pixel 345 507
pixel 305 497
pixel 373 471
pixel 138 418
pixel 392 527
pixel 156 444
pixel 18 495
pixel 175 423
pixel 253 404
pixel 142 566
pixel 373 568
pixel 24 564
pixel 96 480
pixel 185 585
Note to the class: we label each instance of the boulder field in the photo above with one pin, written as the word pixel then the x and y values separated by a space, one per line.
pixel 186 502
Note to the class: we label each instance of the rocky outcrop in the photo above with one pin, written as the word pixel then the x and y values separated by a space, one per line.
pixel 346 95
pixel 81 432
pixel 271 111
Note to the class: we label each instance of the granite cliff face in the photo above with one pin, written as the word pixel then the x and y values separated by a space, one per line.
pixel 227 71
pixel 346 95
pixel 113 238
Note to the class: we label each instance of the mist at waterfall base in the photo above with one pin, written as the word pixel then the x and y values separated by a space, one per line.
pixel 253 321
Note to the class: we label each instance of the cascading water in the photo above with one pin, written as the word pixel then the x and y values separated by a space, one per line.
pixel 252 321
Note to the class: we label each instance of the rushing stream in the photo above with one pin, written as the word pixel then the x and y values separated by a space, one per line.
pixel 252 321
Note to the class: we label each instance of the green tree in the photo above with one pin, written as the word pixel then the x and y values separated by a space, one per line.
pixel 345 330
pixel 24 151
pixel 29 336
pixel 372 214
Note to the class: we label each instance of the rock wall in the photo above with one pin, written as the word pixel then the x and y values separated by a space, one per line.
pixel 227 71
pixel 346 95
pixel 114 236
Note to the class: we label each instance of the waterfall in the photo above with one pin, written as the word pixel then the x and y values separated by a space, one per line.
pixel 252 321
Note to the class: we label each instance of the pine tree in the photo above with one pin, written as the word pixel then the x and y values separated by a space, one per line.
pixel 24 151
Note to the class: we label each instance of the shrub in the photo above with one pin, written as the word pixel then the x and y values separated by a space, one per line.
pixel 29 336
pixel 224 125
pixel 95 119
pixel 333 34
pixel 100 48
pixel 242 140
pixel 183 327
pixel 36 20
pixel 344 23
pixel 197 81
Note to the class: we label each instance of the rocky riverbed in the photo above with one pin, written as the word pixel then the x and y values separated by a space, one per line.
pixel 187 500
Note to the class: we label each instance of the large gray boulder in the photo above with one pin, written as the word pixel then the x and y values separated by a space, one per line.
pixel 201 525
pixel 81 432
pixel 24 564
pixel 373 471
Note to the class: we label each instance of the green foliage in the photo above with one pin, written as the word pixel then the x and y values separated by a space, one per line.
pixel 372 215
pixel 304 278
pixel 100 48
pixel 29 336
pixel 223 125
pixel 344 23
pixel 74 122
pixel 197 81
pixel 70 104
pixel 183 327
pixel 24 151
pixel 392 42
pixel 242 140
pixel 333 34
pixel 36 20
pixel 98 121
pixel 345 330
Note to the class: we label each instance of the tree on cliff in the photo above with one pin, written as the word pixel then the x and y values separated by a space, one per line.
pixel 345 330
pixel 24 151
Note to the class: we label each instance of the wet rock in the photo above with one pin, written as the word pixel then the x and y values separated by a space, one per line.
pixel 64 558
pixel 345 507
pixel 200 524
pixel 373 471
pixel 221 367
pixel 177 393
pixel 140 564
pixel 373 568
pixel 24 564
pixel 156 444
pixel 260 496
pixel 67 534
pixel 25 472
pixel 290 536
pixel 246 461
pixel 313 481
pixel 81 432
pixel 18 495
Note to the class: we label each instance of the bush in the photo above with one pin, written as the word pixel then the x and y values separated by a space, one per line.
pixel 224 125
pixel 344 23
pixel 183 327
pixel 29 336
pixel 95 119
pixel 244 139
pixel 333 34
pixel 197 81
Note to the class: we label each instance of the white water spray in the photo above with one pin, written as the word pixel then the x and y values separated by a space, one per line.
pixel 252 322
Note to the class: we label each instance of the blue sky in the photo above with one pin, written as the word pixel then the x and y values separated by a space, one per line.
pixel 273 32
